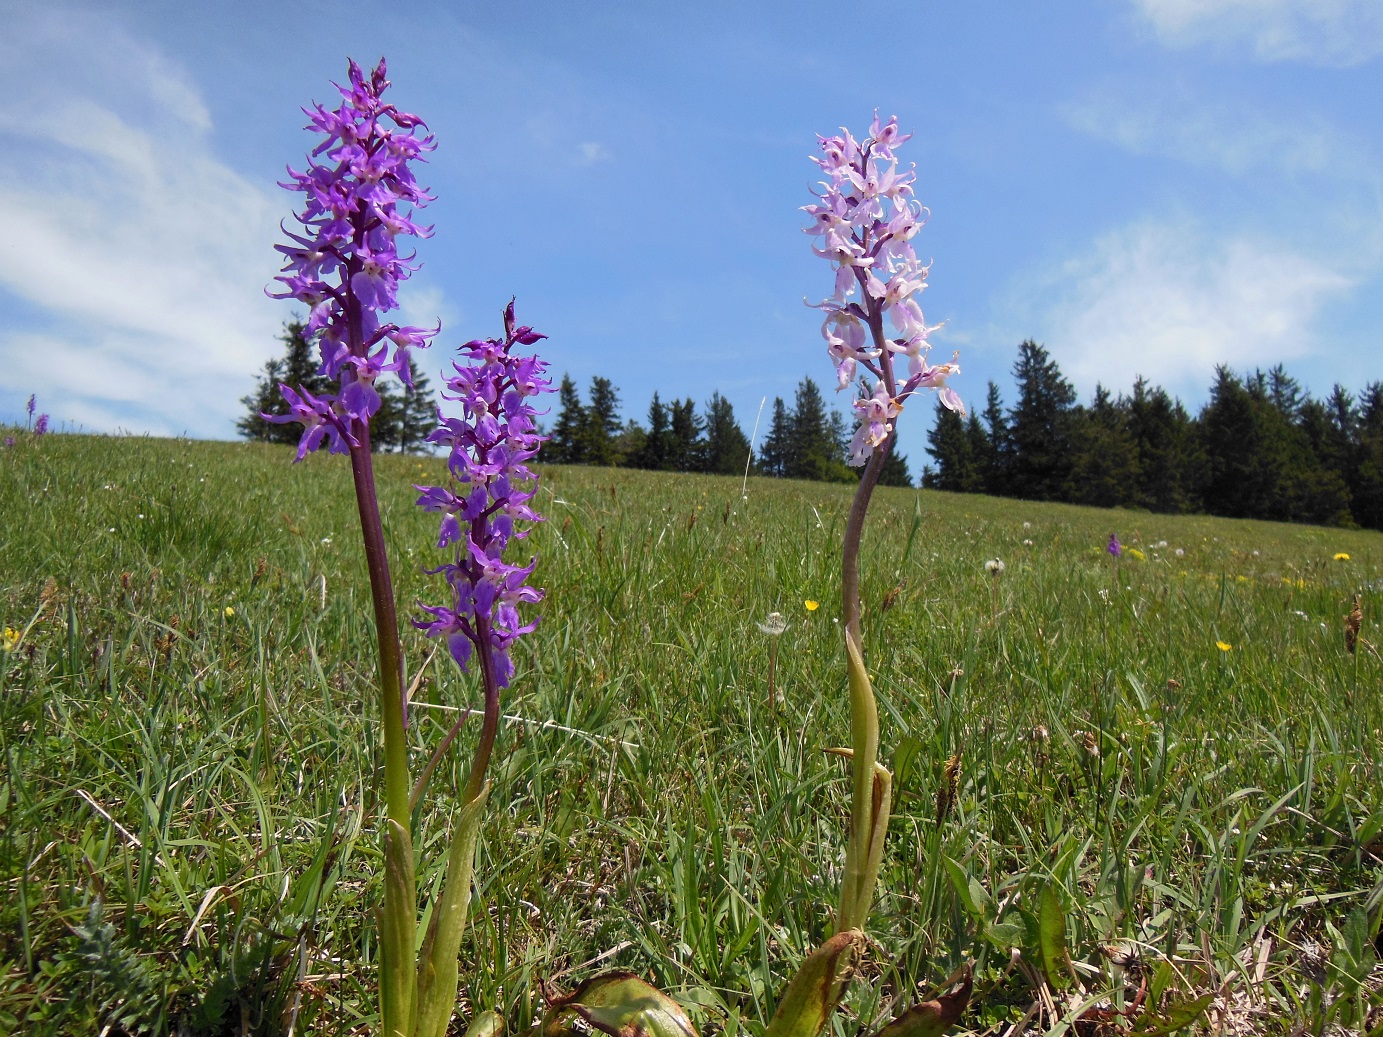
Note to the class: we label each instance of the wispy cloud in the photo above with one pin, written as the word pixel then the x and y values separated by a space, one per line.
pixel 1168 301
pixel 1231 136
pixel 145 256
pixel 593 152
pixel 1324 32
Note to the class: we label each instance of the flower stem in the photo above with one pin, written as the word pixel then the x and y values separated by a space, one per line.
pixel 489 726
pixel 854 530
pixel 391 702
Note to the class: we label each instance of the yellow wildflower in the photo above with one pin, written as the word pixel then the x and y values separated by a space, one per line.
pixel 1135 552
pixel 812 606
pixel 229 611
pixel 1342 557
pixel 1224 647
pixel 12 637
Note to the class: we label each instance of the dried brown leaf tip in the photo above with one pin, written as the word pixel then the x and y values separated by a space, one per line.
pixel 48 596
pixel 1353 621
pixel 950 786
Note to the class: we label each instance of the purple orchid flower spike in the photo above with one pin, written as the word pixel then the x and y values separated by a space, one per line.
pixel 1114 547
pixel 344 262
pixel 489 451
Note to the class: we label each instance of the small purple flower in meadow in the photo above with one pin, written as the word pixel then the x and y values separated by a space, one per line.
pixel 1114 547
pixel 9 441
pixel 866 219
pixel 490 448
pixel 33 400
pixel 344 265
pixel 41 425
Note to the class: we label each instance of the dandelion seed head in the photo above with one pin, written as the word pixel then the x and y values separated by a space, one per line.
pixel 773 624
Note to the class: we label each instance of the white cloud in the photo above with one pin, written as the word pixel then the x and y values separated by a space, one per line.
pixel 1168 302
pixel 1326 32
pixel 144 254
pixel 1233 137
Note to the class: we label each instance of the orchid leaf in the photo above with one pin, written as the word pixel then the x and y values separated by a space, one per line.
pixel 1051 937
pixel 438 971
pixel 486 1024
pixel 813 994
pixel 935 1017
pixel 619 1004
pixel 397 926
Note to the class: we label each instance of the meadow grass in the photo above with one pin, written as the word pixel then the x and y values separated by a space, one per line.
pixel 189 801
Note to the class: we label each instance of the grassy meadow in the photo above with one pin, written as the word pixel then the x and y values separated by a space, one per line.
pixel 1178 745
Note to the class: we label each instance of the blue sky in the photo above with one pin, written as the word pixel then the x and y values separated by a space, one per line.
pixel 1144 186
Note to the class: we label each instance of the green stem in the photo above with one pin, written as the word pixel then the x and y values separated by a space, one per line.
pixel 857 888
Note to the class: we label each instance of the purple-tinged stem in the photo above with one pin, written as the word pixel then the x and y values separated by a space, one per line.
pixel 391 699
pixel 489 726
pixel 854 525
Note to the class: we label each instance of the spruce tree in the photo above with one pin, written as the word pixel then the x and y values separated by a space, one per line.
pixel 815 449
pixel 975 479
pixel 1368 464
pixel 296 369
pixel 727 447
pixel 895 470
pixel 996 461
pixel 685 428
pixel 777 444
pixel 657 446
pixel 600 424
pixel 952 450
pixel 266 399
pixel 1230 439
pixel 1105 472
pixel 630 443
pixel 1040 427
pixel 564 441
pixel 1165 439
pixel 386 427
pixel 417 412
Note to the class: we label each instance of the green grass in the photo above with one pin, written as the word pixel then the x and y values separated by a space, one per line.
pixel 189 800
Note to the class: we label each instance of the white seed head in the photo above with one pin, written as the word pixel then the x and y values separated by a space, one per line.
pixel 995 566
pixel 773 625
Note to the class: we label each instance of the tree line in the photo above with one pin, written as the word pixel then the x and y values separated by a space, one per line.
pixel 1261 447
pixel 807 441
pixel 401 425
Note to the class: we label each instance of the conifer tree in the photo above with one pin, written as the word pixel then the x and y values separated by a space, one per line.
pixel 564 441
pixel 950 445
pixel 1040 427
pixel 1105 472
pixel 777 445
pixel 726 446
pixel 417 411
pixel 630 443
pixel 297 369
pixel 657 445
pixel 600 424
pixel 1368 472
pixel 995 462
pixel 1164 436
pixel 815 446
pixel 386 427
pixel 895 470
pixel 685 428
